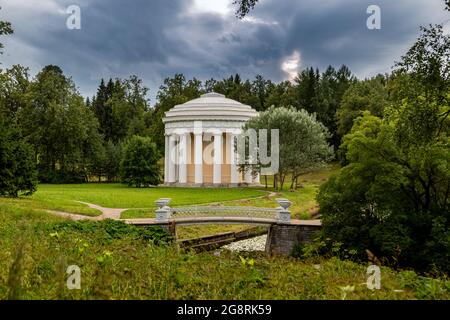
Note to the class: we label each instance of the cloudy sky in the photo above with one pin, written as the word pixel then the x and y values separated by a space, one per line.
pixel 155 39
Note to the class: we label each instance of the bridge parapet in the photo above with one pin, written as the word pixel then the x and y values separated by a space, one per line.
pixel 284 233
pixel 281 214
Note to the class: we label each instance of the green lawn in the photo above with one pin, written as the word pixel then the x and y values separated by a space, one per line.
pixel 41 200
pixel 64 197
pixel 121 196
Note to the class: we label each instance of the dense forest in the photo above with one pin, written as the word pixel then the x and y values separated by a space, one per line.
pixel 78 139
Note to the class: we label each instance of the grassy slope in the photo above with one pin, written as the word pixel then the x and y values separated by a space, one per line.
pixel 121 196
pixel 303 199
pixel 33 262
pixel 42 201
pixel 63 197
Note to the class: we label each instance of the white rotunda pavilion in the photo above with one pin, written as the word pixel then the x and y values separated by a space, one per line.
pixel 199 142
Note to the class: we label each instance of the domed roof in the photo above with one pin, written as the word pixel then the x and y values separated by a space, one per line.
pixel 210 106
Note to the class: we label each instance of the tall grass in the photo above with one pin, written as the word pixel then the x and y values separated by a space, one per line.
pixel 118 261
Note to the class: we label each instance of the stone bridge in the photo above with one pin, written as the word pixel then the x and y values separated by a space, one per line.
pixel 284 233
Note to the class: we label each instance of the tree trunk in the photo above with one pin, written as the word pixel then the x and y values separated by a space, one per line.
pixel 291 188
pixel 282 177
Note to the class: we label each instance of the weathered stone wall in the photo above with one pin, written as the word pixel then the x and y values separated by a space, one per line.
pixel 282 238
pixel 170 228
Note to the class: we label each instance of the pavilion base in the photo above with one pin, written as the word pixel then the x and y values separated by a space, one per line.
pixel 211 185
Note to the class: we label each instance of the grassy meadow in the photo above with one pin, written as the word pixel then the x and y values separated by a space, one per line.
pixel 117 262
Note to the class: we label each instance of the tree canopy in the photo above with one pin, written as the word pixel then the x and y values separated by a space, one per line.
pixel 393 198
pixel 139 166
pixel 302 141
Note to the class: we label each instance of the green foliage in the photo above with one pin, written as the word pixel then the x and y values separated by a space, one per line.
pixel 427 62
pixel 5 29
pixel 302 140
pixel 332 87
pixel 139 166
pixel 120 106
pixel 174 91
pixel 108 230
pixel 121 264
pixel 14 84
pixel 368 95
pixel 17 164
pixel 106 162
pixel 393 197
pixel 63 132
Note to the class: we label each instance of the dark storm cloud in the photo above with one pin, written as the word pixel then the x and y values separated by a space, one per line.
pixel 155 39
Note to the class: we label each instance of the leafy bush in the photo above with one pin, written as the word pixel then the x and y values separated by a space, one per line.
pixel 17 164
pixel 59 177
pixel 139 165
pixel 113 229
pixel 393 196
pixel 390 199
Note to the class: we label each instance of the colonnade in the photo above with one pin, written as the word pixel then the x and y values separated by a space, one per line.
pixel 179 154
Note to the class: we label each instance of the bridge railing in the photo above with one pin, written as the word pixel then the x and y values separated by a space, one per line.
pixel 164 212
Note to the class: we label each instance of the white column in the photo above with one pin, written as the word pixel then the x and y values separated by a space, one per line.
pixel 257 178
pixel 233 167
pixel 217 174
pixel 182 173
pixel 172 155
pixel 166 158
pixel 198 157
pixel 248 176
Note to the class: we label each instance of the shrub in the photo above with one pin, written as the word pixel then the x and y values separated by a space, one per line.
pixel 17 164
pixel 139 165
pixel 112 229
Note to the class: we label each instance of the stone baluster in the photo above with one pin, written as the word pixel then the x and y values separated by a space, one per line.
pixel 283 213
pixel 164 212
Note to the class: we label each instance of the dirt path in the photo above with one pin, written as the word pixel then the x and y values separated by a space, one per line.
pixel 107 213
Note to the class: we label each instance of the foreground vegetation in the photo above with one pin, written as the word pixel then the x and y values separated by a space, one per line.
pixel 122 262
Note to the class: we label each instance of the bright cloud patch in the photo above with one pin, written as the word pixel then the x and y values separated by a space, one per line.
pixel 291 65
pixel 216 6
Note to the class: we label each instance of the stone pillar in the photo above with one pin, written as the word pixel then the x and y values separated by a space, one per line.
pixel 182 173
pixel 257 179
pixel 163 216
pixel 233 165
pixel 248 176
pixel 217 174
pixel 171 162
pixel 198 157
pixel 166 158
